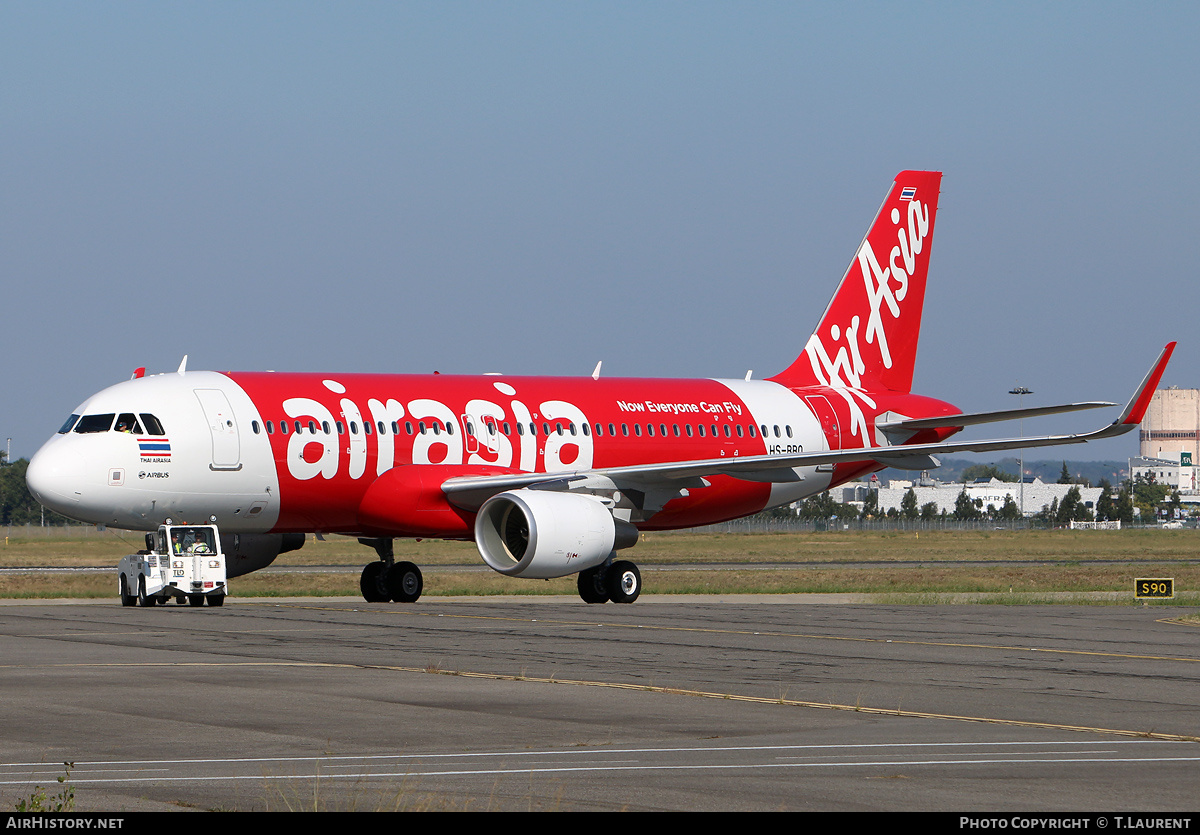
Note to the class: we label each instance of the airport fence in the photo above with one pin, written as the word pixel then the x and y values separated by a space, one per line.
pixel 755 524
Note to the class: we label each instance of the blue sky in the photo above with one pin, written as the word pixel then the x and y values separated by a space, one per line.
pixel 672 188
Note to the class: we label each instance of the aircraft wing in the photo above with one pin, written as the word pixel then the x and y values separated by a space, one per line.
pixel 469 492
pixel 975 418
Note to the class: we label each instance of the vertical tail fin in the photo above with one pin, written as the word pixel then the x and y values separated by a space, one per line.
pixel 867 338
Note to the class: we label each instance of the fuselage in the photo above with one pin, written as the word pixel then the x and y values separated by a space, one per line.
pixel 283 452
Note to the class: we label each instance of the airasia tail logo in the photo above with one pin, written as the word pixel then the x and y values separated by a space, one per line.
pixel 886 289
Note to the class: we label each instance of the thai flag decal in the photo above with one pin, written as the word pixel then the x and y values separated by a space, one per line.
pixel 908 193
pixel 154 447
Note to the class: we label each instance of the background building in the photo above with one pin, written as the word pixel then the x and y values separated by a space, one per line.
pixel 1038 494
pixel 1172 425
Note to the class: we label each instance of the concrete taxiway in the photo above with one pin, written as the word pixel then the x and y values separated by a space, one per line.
pixel 699 703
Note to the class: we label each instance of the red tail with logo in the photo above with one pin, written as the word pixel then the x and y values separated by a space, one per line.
pixel 867 338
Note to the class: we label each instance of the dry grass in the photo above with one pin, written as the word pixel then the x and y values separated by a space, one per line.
pixel 840 561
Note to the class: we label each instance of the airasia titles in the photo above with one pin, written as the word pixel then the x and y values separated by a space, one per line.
pixel 552 436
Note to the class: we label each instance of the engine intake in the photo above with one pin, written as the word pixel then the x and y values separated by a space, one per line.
pixel 540 534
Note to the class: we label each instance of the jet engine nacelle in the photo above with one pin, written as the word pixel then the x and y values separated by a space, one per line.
pixel 540 534
pixel 246 552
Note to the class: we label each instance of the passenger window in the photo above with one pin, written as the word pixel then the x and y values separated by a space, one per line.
pixel 283 430
pixel 340 428
pixel 728 434
pixel 789 430
pixel 89 424
pixel 270 428
pixel 254 425
pixel 740 431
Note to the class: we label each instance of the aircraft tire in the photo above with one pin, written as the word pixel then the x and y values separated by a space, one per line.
pixel 624 582
pixel 591 585
pixel 404 582
pixel 127 599
pixel 371 582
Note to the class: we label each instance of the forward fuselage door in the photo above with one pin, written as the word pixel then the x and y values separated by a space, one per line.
pixel 226 445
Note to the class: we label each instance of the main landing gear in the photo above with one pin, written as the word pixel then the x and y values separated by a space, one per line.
pixel 387 580
pixel 618 581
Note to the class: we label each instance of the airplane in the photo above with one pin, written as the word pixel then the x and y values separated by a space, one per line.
pixel 548 476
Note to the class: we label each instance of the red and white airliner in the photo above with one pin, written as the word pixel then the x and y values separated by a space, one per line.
pixel 550 476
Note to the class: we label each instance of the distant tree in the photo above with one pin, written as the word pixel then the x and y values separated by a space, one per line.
pixel 978 471
pixel 1072 508
pixel 929 511
pixel 1010 512
pixel 870 507
pixel 1106 508
pixel 1148 494
pixel 908 505
pixel 1064 477
pixel 1123 506
pixel 964 507
pixel 823 506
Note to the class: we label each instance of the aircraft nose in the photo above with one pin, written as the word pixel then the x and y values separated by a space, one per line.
pixel 53 478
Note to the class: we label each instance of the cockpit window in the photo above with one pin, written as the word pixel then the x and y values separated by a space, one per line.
pixel 152 425
pixel 66 427
pixel 95 423
pixel 126 422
